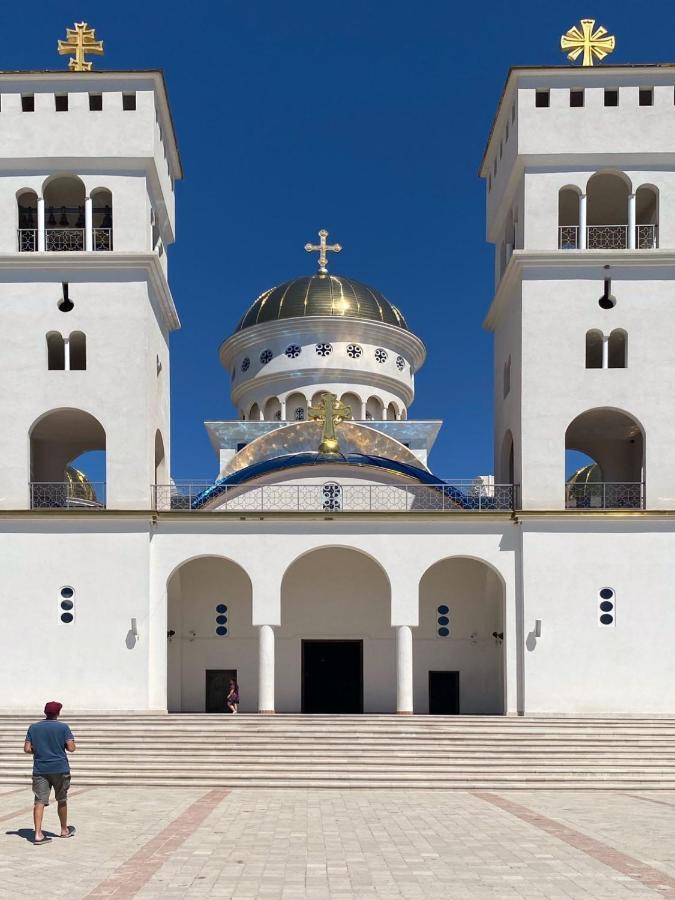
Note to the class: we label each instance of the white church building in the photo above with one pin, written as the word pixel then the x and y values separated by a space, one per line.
pixel 326 566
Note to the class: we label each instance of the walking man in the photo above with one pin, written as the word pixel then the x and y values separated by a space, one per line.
pixel 48 741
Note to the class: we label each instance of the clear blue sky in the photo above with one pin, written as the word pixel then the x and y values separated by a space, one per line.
pixel 367 118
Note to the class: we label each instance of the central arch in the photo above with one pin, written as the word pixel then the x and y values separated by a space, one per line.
pixel 335 646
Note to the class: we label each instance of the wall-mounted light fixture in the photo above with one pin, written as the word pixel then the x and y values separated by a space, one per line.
pixel 134 628
pixel 537 628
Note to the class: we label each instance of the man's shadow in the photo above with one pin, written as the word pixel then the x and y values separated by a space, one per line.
pixel 29 835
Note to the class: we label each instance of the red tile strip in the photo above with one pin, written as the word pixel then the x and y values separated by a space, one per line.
pixel 621 862
pixel 134 874
pixel 27 810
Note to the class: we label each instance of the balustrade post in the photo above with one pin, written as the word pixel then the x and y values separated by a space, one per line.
pixel 41 223
pixel 582 222
pixel 265 669
pixel 631 222
pixel 88 224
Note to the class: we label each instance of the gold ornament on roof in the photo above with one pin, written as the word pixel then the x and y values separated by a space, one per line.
pixel 591 43
pixel 322 248
pixel 80 40
pixel 330 411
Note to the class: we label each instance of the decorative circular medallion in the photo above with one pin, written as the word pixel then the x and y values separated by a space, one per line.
pixel 266 356
pixel 292 351
pixel 354 351
pixel 324 349
pixel 381 355
pixel 245 363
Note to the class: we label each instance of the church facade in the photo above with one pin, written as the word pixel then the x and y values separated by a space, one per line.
pixel 326 567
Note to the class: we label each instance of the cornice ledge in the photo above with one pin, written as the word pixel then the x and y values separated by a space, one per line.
pixel 85 261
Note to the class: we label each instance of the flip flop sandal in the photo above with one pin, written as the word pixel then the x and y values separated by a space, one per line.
pixel 71 832
pixel 45 840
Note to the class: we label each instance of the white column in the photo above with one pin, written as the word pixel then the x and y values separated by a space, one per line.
pixel 605 351
pixel 631 222
pixel 66 354
pixel 265 669
pixel 404 670
pixel 41 223
pixel 582 221
pixel 363 410
pixel 283 409
pixel 88 224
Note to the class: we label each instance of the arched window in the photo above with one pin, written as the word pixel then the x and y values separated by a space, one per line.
pixel 594 341
pixel 78 351
pixel 56 354
pixel 254 413
pixel 612 472
pixel 607 211
pixel 374 409
pixel 296 408
pixel 273 410
pixel 646 217
pixel 391 412
pixel 102 219
pixel 64 214
pixel 354 403
pixel 27 221
pixel 618 349
pixel 568 218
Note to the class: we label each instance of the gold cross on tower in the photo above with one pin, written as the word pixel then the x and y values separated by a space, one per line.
pixel 80 40
pixel 590 43
pixel 322 248
pixel 331 412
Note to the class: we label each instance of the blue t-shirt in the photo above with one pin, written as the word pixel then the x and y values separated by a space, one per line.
pixel 48 739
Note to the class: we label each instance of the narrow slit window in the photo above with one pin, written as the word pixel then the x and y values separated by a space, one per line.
pixel 61 102
pixel 542 98
pixel 95 102
pixel 646 97
pixel 27 103
pixel 611 97
pixel 129 101
pixel 576 98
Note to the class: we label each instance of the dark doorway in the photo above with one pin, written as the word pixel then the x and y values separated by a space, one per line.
pixel 444 693
pixel 332 676
pixel 217 681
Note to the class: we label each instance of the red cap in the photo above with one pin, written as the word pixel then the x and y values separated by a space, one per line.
pixel 53 708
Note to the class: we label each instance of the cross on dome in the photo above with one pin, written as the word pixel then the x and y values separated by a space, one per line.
pixel 322 248
pixel 330 412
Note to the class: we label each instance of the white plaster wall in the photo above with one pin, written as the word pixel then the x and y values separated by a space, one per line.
pixel 507 410
pixel 556 387
pixel 120 386
pixel 92 663
pixel 579 666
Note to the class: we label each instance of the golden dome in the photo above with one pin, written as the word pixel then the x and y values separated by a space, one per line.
pixel 322 295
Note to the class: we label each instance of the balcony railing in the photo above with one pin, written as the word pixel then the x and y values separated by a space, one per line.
pixel 607 237
pixel 605 495
pixel 453 496
pixel 67 495
pixel 64 239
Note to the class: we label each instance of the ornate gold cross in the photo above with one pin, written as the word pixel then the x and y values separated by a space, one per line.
pixel 322 248
pixel 590 43
pixel 331 412
pixel 80 40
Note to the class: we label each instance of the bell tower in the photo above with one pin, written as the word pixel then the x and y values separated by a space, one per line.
pixel 580 181
pixel 88 164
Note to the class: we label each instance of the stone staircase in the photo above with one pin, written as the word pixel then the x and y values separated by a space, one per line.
pixel 369 751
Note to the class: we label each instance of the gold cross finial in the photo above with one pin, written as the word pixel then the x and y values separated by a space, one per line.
pixel 331 412
pixel 590 43
pixel 80 40
pixel 322 248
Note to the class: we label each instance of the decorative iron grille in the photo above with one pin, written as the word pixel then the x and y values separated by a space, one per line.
pixel 64 239
pixel 67 495
pixel 646 237
pixel 607 237
pixel 102 239
pixel 27 240
pixel 568 237
pixel 605 495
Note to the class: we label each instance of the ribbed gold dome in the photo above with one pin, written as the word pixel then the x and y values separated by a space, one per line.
pixel 322 295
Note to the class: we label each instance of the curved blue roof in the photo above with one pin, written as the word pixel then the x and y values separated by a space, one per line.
pixel 294 460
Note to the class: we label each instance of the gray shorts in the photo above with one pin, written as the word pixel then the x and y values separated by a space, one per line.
pixel 42 785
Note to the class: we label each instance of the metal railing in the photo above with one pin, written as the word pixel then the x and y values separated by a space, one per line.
pixel 67 495
pixel 453 496
pixel 607 237
pixel 64 239
pixel 605 495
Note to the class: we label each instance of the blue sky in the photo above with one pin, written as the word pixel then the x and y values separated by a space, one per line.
pixel 367 118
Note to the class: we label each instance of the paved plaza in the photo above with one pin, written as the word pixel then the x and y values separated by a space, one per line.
pixel 170 842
